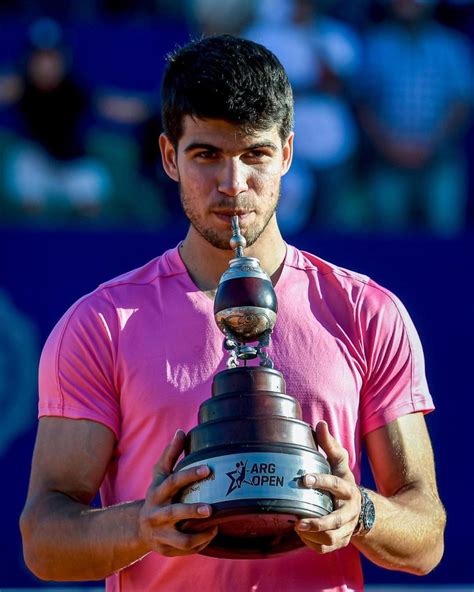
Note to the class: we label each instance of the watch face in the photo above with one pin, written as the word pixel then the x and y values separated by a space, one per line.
pixel 369 514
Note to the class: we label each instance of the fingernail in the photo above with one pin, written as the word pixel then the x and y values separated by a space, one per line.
pixel 179 432
pixel 304 526
pixel 202 470
pixel 309 480
pixel 204 510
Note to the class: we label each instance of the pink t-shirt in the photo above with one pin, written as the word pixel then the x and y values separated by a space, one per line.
pixel 139 353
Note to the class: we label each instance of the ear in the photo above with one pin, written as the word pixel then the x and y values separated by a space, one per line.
pixel 288 153
pixel 169 157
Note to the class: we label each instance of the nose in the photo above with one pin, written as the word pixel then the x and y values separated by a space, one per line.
pixel 232 179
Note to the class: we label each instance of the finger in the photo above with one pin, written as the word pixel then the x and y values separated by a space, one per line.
pixel 173 484
pixel 317 547
pixel 173 513
pixel 337 456
pixel 338 487
pixel 324 548
pixel 168 458
pixel 210 534
pixel 172 552
pixel 334 538
pixel 187 543
pixel 339 520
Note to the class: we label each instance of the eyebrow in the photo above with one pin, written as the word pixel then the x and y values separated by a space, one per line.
pixel 212 148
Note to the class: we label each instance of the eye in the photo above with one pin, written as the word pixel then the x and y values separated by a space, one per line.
pixel 206 155
pixel 257 155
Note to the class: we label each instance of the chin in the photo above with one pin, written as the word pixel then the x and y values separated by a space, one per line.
pixel 219 241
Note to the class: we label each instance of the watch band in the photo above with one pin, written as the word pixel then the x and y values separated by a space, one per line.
pixel 366 516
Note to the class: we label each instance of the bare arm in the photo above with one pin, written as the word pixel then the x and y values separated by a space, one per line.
pixel 410 519
pixel 65 539
pixel 410 516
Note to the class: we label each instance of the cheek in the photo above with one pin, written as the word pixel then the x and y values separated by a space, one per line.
pixel 195 186
pixel 267 182
pixel 263 178
pixel 269 175
pixel 192 176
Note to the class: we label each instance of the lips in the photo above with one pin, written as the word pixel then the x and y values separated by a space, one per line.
pixel 233 212
pixel 229 213
pixel 226 215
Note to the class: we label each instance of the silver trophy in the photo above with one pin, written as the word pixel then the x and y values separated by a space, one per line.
pixel 250 432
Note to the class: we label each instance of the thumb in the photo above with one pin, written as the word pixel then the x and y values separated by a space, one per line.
pixel 337 456
pixel 165 464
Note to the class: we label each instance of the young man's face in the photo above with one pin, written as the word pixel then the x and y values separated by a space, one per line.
pixel 224 172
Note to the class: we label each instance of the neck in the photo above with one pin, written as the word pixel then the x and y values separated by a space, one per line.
pixel 206 264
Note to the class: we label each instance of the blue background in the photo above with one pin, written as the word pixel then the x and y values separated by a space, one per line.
pixel 46 271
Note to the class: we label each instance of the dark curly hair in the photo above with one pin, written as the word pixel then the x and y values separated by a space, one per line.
pixel 226 77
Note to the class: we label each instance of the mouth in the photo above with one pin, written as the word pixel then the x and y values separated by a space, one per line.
pixel 226 215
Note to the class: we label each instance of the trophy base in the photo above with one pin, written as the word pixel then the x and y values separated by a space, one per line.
pixel 257 496
pixel 258 449
pixel 252 529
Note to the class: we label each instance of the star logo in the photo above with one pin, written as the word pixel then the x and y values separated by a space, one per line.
pixel 237 477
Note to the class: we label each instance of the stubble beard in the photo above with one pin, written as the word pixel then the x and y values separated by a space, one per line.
pixel 252 233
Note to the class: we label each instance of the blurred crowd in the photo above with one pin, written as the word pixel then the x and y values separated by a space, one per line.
pixel 384 93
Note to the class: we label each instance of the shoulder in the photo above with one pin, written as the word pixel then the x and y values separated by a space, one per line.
pixel 101 308
pixel 338 284
pixel 312 265
pixel 167 265
pixel 138 280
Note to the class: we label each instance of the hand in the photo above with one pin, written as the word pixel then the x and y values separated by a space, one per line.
pixel 333 531
pixel 159 514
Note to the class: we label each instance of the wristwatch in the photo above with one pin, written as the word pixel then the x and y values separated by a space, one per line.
pixel 366 516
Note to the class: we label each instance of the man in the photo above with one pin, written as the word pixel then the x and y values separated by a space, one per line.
pixel 132 361
pixel 416 98
pixel 49 171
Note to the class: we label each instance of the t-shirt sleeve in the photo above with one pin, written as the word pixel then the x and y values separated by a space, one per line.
pixel 76 373
pixel 395 381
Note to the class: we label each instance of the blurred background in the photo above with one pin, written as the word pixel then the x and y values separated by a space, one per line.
pixel 382 182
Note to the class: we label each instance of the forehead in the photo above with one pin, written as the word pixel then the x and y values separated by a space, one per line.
pixel 223 134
